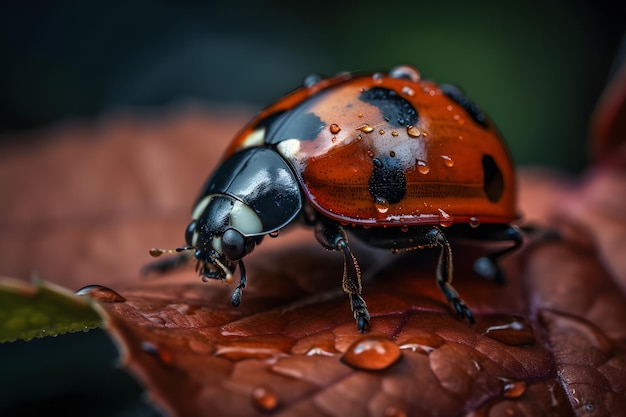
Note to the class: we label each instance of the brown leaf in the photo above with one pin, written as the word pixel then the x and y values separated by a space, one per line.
pixel 85 206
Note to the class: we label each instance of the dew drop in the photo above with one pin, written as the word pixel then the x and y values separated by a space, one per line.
pixel 360 115
pixel 405 72
pixel 381 131
pixel 449 107
pixel 370 153
pixel 392 411
pixel 264 398
pixel 382 205
pixel 513 389
pixel 334 139
pixel 447 161
pixel 422 167
pixel 359 138
pixel 378 76
pixel 274 234
pixel 365 128
pixel 408 91
pixel 445 219
pixel 394 133
pixel 413 132
pixel 474 222
pixel 372 353
pixel 510 330
pixel 334 128
pixel 101 294
pixel 311 79
pixel 392 154
pixel 162 354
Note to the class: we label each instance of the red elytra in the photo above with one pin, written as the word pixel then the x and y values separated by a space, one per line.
pixel 446 156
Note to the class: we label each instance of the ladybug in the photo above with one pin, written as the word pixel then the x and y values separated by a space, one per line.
pixel 394 160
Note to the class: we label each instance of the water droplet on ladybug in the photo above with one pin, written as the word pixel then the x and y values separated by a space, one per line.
pixel 413 132
pixel 447 161
pixel 449 107
pixel 264 398
pixel 334 128
pixel 422 167
pixel 274 234
pixel 372 353
pixel 365 128
pixel 405 72
pixel 408 91
pixel 510 330
pixel 378 77
pixel 513 389
pixel 370 153
pixel 311 79
pixel 445 219
pixel 381 131
pixel 394 133
pixel 382 205
pixel 360 115
pixel 392 154
pixel 334 139
pixel 101 294
pixel 474 222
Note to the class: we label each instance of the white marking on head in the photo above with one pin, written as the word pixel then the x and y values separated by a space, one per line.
pixel 244 219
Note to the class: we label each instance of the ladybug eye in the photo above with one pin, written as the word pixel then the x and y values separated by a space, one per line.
pixel 233 245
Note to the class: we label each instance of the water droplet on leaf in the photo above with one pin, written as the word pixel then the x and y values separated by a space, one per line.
pixel 372 353
pixel 101 294
pixel 510 330
pixel 513 389
pixel 264 398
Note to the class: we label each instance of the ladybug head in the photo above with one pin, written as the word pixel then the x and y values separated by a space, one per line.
pixel 219 235
pixel 223 230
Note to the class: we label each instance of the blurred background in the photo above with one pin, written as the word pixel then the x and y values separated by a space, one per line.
pixel 536 67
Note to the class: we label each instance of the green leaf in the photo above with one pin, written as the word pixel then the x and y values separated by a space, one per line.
pixel 43 309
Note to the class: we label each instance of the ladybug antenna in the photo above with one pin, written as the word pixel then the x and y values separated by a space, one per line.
pixel 156 252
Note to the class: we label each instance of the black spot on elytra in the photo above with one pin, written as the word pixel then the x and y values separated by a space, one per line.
pixel 387 180
pixel 493 181
pixel 394 108
pixel 456 95
pixel 294 124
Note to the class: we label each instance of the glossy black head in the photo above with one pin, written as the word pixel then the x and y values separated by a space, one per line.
pixel 253 193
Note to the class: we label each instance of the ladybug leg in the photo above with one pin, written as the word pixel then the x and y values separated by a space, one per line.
pixel 235 300
pixel 444 277
pixel 333 237
pixel 487 266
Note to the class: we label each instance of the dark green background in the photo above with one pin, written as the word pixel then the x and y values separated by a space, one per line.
pixel 536 67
